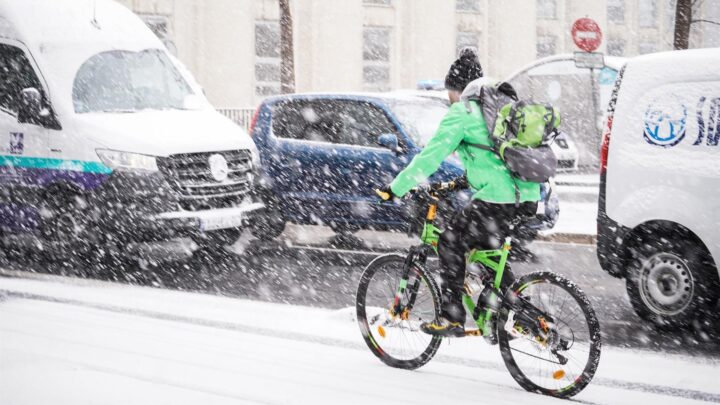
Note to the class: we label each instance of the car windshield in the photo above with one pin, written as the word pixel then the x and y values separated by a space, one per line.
pixel 419 118
pixel 123 81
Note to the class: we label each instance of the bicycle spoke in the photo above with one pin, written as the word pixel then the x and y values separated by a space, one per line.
pixel 561 370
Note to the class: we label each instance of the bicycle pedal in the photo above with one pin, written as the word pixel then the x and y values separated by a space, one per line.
pixel 473 332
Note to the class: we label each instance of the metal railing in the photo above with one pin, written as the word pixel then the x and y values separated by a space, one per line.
pixel 241 116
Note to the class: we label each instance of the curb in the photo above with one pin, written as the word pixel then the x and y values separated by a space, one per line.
pixel 571 238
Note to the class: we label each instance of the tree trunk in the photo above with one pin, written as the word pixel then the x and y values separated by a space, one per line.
pixel 683 16
pixel 287 54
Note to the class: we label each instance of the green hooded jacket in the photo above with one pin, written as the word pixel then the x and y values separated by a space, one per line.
pixel 487 174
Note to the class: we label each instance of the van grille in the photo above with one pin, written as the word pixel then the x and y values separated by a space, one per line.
pixel 189 175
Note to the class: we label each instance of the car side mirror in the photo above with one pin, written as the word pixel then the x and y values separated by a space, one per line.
pixel 30 106
pixel 389 141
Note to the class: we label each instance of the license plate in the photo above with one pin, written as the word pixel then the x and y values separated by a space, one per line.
pixel 212 224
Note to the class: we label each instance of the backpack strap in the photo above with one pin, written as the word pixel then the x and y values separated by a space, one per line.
pixel 483 147
pixel 549 125
pixel 511 121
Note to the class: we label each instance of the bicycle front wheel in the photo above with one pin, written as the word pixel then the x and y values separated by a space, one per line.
pixel 396 338
pixel 553 347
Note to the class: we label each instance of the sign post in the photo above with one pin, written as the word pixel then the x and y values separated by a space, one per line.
pixel 587 35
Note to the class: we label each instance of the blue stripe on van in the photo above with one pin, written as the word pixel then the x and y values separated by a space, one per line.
pixel 54 164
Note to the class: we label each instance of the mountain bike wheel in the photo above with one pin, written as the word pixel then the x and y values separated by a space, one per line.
pixel 560 360
pixel 397 339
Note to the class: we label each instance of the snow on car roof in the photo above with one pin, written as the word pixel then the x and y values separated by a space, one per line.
pixel 40 22
pixel 61 35
pixel 694 65
pixel 383 97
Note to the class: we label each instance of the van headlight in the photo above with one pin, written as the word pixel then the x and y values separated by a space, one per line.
pixel 126 160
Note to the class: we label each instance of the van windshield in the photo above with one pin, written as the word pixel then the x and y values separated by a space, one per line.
pixel 123 81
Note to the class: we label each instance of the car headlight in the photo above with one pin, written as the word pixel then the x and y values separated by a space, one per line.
pixel 126 160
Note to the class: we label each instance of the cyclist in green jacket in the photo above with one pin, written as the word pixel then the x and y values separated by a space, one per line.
pixel 488 219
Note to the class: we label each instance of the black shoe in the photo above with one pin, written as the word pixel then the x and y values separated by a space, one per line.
pixel 444 328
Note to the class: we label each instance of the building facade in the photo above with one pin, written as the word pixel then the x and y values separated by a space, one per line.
pixel 233 46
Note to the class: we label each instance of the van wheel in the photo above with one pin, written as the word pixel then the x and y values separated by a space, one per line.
pixel 672 283
pixel 63 222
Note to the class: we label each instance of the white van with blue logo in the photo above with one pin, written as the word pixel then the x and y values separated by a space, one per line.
pixel 659 208
pixel 106 138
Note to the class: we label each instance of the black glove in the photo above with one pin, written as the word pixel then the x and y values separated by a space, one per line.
pixel 461 183
pixel 385 193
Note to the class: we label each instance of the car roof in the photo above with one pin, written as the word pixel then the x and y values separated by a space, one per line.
pixel 384 98
pixel 614 62
pixel 674 65
pixel 646 71
pixel 57 23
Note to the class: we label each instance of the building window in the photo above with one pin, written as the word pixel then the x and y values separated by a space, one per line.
pixel 616 11
pixel 158 24
pixel 647 13
pixel 616 47
pixel 472 6
pixel 267 58
pixel 646 47
pixel 378 2
pixel 546 45
pixel 546 9
pixel 670 13
pixel 376 58
pixel 467 40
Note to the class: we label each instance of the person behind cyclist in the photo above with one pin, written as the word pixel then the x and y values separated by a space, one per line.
pixel 488 218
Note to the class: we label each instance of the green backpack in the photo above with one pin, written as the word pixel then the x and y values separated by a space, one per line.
pixel 521 131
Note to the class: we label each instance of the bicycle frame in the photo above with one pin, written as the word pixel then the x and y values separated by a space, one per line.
pixel 494 259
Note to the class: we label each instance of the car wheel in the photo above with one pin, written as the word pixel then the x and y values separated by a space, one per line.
pixel 344 228
pixel 672 283
pixel 271 222
pixel 216 241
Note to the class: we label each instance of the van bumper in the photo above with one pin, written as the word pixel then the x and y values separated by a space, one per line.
pixel 209 220
pixel 132 208
pixel 611 237
pixel 611 249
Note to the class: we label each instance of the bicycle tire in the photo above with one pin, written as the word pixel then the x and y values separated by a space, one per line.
pixel 370 339
pixel 582 301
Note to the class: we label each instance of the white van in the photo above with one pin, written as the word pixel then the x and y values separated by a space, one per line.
pixel 659 207
pixel 105 137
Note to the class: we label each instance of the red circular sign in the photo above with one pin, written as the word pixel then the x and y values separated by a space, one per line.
pixel 586 34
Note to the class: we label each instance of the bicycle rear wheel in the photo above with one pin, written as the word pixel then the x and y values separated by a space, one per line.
pixel 562 358
pixel 396 339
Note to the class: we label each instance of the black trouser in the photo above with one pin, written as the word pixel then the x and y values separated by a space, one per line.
pixel 480 225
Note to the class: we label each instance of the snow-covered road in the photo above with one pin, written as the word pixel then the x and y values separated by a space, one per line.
pixel 65 341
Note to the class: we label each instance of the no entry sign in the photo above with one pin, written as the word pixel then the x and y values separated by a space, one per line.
pixel 586 34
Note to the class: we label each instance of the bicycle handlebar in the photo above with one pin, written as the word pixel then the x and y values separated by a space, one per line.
pixel 459 183
pixel 432 189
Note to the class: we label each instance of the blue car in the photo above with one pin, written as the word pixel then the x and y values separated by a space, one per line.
pixel 322 155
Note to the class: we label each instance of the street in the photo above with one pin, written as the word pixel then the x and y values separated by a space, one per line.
pixel 90 342
pixel 301 269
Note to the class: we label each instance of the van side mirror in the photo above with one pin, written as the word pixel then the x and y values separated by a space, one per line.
pixel 389 141
pixel 30 110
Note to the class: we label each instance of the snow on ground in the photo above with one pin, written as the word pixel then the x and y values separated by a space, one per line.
pixel 576 218
pixel 65 341
pixel 578 179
